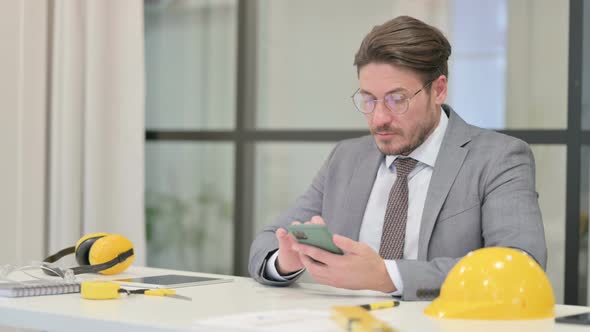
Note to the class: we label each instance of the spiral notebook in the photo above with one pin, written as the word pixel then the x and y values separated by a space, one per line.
pixel 37 288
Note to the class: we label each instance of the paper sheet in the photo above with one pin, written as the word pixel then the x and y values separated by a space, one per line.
pixel 293 320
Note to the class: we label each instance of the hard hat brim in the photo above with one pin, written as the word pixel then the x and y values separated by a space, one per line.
pixel 440 308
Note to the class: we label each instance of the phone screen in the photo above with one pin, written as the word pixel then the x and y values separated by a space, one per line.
pixel 575 319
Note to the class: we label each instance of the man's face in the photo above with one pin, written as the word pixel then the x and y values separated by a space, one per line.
pixel 401 133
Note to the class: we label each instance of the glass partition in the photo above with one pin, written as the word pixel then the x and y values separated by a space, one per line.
pixel 189 206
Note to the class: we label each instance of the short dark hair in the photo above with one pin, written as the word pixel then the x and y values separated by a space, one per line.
pixel 406 42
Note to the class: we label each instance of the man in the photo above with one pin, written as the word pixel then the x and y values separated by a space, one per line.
pixel 426 188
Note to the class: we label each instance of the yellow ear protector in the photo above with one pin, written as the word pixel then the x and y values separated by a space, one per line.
pixel 98 253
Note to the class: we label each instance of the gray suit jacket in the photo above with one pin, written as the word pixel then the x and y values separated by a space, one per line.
pixel 481 194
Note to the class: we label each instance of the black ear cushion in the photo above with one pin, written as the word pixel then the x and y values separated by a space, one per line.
pixel 84 249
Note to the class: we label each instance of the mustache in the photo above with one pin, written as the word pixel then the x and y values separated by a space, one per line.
pixel 386 130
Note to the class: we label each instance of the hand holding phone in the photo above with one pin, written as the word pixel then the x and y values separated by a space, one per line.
pixel 316 235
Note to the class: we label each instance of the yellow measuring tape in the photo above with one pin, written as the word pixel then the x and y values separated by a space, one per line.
pixel 99 290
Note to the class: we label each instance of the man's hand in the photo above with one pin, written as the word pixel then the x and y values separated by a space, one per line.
pixel 288 260
pixel 359 268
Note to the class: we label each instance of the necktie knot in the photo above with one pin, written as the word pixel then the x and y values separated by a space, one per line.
pixel 404 166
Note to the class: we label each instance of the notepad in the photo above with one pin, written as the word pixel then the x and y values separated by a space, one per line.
pixel 37 288
pixel 290 320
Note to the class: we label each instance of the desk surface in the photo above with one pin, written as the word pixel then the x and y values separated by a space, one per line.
pixel 147 313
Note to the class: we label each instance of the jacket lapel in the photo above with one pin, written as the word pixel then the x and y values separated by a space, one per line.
pixel 450 159
pixel 359 189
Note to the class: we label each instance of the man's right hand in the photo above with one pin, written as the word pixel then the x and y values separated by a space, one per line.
pixel 288 261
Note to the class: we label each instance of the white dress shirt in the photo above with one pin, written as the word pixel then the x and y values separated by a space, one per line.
pixel 372 224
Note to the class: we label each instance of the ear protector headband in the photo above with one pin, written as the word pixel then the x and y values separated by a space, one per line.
pixel 98 253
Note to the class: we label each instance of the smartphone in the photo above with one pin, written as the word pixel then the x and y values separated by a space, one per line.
pixel 583 319
pixel 314 235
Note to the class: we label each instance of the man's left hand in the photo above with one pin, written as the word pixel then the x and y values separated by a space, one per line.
pixel 359 268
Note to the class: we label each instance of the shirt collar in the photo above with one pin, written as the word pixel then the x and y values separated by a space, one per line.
pixel 427 152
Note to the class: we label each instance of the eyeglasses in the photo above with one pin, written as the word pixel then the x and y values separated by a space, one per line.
pixel 396 102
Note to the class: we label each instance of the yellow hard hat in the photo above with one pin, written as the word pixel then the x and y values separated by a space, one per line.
pixel 495 283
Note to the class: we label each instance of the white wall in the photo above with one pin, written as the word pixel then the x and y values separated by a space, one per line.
pixel 23 32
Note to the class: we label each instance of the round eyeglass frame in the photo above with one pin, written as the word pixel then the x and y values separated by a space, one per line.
pixel 406 100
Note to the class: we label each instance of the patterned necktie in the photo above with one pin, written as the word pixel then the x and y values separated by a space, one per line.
pixel 396 214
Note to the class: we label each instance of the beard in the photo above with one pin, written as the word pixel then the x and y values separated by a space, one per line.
pixel 401 143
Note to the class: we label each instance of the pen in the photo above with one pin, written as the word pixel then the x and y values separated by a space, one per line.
pixel 357 319
pixel 380 305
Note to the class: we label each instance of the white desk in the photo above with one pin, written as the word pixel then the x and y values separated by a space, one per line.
pixel 148 313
